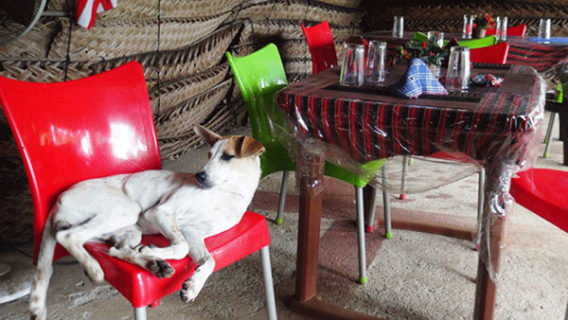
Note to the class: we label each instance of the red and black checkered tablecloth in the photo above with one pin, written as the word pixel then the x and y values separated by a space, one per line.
pixel 542 57
pixel 371 123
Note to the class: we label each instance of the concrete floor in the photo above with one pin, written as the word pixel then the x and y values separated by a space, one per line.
pixel 411 276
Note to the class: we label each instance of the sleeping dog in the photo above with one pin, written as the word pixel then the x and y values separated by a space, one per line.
pixel 122 208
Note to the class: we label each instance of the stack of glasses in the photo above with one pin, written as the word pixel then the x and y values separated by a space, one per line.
pixel 355 72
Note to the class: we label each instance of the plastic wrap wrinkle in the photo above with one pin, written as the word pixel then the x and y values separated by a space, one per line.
pixel 312 151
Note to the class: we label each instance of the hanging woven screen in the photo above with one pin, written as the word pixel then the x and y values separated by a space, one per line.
pixel 17 18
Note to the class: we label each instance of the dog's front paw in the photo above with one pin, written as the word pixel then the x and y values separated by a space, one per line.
pixel 189 291
pixel 160 268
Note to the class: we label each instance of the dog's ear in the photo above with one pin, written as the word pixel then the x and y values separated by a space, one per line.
pixel 209 136
pixel 249 147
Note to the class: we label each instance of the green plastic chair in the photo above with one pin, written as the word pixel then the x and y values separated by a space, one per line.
pixel 420 36
pixel 259 76
pixel 470 43
pixel 478 43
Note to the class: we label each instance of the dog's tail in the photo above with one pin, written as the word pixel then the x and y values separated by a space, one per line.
pixel 43 273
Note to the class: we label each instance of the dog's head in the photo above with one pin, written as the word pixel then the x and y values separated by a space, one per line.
pixel 231 159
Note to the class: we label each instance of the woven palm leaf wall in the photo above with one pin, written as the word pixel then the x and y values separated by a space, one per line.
pixel 448 15
pixel 180 45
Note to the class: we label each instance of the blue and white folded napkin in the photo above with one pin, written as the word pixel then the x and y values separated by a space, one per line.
pixel 418 80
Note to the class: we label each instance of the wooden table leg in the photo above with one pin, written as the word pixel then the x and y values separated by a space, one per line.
pixel 310 171
pixel 564 135
pixel 493 230
pixel 486 289
pixel 306 301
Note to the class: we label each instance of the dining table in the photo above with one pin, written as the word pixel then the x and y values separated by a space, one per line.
pixel 493 127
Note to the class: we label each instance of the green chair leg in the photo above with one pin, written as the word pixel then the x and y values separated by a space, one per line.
pixel 361 235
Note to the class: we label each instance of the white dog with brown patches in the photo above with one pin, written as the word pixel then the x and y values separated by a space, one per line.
pixel 121 208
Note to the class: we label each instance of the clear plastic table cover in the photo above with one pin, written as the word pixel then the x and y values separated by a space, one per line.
pixel 455 135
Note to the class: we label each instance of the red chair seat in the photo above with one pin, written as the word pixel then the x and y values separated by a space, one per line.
pixel 143 288
pixel 544 192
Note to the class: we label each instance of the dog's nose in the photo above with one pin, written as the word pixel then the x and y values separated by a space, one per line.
pixel 201 176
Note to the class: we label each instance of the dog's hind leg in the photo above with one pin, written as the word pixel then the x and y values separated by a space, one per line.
pixel 73 239
pixel 205 264
pixel 127 247
pixel 165 222
pixel 43 273
pixel 128 237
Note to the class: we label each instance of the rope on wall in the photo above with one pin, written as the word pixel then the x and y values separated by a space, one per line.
pixel 67 53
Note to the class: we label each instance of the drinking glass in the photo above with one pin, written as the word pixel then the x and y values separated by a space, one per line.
pixel 467 26
pixel 352 70
pixel 504 26
pixel 544 29
pixel 375 68
pixel 437 37
pixel 457 76
pixel 498 28
pixel 398 27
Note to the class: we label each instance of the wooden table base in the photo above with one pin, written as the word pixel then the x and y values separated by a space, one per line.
pixel 418 221
pixel 318 308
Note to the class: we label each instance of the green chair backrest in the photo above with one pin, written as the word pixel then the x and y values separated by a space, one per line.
pixel 479 43
pixel 259 76
pixel 420 36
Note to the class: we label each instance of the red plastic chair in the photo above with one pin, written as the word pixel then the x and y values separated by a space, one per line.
pixel 99 126
pixel 322 47
pixel 492 54
pixel 544 192
pixel 511 31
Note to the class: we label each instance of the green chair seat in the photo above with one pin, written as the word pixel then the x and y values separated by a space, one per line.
pixel 470 43
pixel 478 43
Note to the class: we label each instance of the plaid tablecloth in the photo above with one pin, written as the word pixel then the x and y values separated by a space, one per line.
pixel 542 57
pixel 369 123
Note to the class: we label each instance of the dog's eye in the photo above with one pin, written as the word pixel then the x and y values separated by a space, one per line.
pixel 225 156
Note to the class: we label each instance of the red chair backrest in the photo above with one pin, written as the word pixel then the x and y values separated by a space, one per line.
pixel 492 54
pixel 76 130
pixel 511 31
pixel 322 47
